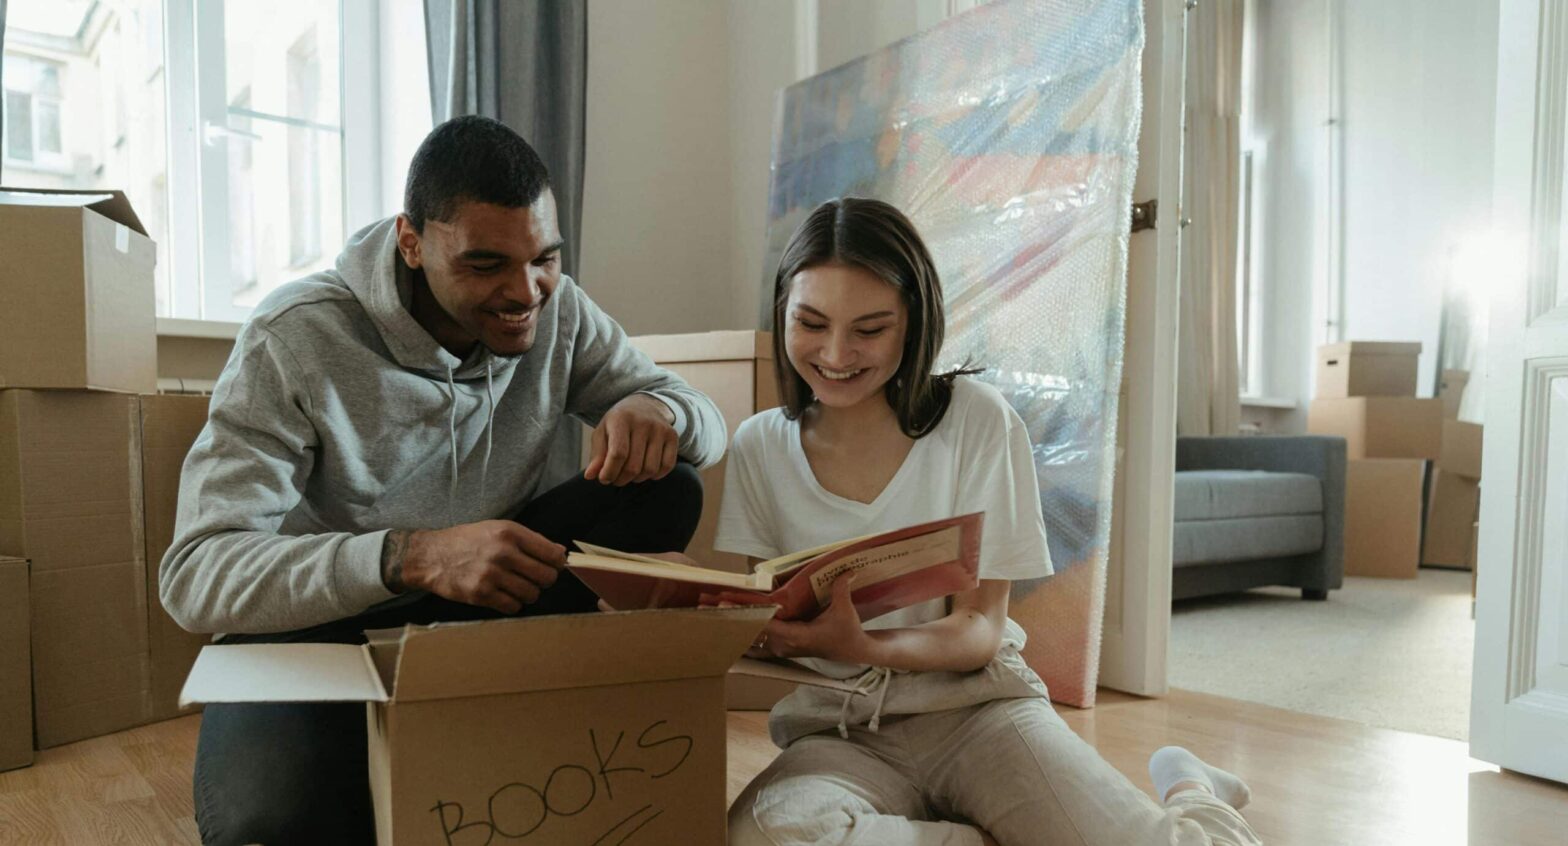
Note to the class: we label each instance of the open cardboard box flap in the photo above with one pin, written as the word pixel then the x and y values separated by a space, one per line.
pixel 482 659
pixel 443 661
pixel 573 650
pixel 111 204
pixel 283 672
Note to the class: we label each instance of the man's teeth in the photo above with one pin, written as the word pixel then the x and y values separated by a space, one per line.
pixel 839 374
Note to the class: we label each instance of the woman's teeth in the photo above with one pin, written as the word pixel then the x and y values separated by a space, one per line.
pixel 839 375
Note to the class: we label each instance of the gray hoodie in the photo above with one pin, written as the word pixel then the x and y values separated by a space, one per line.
pixel 338 418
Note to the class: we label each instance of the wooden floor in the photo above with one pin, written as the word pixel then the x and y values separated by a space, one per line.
pixel 1315 781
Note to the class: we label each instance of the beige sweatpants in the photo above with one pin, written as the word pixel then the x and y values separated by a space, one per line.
pixel 1011 767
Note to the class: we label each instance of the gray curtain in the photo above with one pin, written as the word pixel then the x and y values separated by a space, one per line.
pixel 2 84
pixel 1207 395
pixel 524 63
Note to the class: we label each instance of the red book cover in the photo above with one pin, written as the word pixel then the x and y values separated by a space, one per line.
pixel 893 570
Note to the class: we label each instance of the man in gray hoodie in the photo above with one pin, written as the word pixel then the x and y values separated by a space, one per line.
pixel 375 456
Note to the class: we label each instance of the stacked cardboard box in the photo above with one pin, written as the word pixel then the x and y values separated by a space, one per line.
pixel 1366 394
pixel 77 351
pixel 72 504
pixel 1455 496
pixel 16 674
pixel 169 425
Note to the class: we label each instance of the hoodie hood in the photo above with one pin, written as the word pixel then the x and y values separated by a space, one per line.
pixel 372 269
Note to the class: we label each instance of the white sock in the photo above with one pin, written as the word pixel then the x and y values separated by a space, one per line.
pixel 1172 765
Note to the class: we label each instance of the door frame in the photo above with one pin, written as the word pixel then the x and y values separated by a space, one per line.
pixel 1519 690
pixel 1136 630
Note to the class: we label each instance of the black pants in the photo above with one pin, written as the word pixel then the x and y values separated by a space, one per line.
pixel 287 774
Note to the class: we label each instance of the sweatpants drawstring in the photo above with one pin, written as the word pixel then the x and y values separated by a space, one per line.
pixel 876 677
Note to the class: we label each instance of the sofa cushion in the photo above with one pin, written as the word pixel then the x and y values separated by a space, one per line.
pixel 1228 494
pixel 1246 538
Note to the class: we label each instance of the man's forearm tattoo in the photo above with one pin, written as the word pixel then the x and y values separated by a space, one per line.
pixel 392 551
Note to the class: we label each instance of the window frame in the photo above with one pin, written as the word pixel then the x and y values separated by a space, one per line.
pixel 1249 310
pixel 196 90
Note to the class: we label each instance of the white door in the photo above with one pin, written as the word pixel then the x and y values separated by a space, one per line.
pixel 1519 700
pixel 1138 594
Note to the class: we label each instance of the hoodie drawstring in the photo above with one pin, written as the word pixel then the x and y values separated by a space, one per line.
pixel 451 430
pixel 876 677
pixel 484 469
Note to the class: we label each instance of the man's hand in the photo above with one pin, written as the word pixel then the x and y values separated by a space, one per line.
pixel 635 442
pixel 496 564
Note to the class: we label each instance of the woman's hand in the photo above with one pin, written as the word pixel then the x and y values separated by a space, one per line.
pixel 836 634
pixel 965 640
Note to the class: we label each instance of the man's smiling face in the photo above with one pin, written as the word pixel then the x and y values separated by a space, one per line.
pixel 489 269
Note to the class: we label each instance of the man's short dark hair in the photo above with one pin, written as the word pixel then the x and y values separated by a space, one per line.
pixel 471 159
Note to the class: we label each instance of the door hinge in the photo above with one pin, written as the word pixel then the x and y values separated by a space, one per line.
pixel 1144 214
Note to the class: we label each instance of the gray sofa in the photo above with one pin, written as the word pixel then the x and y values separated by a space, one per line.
pixel 1257 511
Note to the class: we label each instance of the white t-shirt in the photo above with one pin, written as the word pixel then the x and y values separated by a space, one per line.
pixel 977 458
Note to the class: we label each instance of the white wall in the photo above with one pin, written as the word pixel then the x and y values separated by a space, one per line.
pixel 1409 86
pixel 682 96
pixel 848 29
pixel 1420 79
pixel 1284 126
pixel 656 195
pixel 770 49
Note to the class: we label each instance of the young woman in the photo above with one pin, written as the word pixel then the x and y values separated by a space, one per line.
pixel 950 739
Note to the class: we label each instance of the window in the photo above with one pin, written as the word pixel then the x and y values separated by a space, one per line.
pixel 242 198
pixel 1248 307
pixel 32 107
pixel 19 121
pixel 84 108
pixel 1252 349
pixel 269 84
pixel 222 120
pixel 304 72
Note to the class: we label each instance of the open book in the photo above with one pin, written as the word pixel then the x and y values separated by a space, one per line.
pixel 892 570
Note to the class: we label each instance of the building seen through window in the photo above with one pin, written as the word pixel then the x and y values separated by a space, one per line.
pixel 233 160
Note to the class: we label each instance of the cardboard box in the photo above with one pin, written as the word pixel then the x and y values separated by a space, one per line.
pixel 1461 453
pixel 169 425
pixel 1381 427
pixel 754 693
pixel 1475 562
pixel 71 501
pixel 1383 517
pixel 16 667
pixel 76 299
pixel 567 729
pixel 735 370
pixel 1451 390
pixel 1367 369
pixel 1449 539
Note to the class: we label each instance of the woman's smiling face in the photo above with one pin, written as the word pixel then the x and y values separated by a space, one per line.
pixel 844 333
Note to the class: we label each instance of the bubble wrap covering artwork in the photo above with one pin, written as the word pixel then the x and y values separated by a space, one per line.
pixel 1009 135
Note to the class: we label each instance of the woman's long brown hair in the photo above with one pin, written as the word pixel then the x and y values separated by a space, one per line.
pixel 877 238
